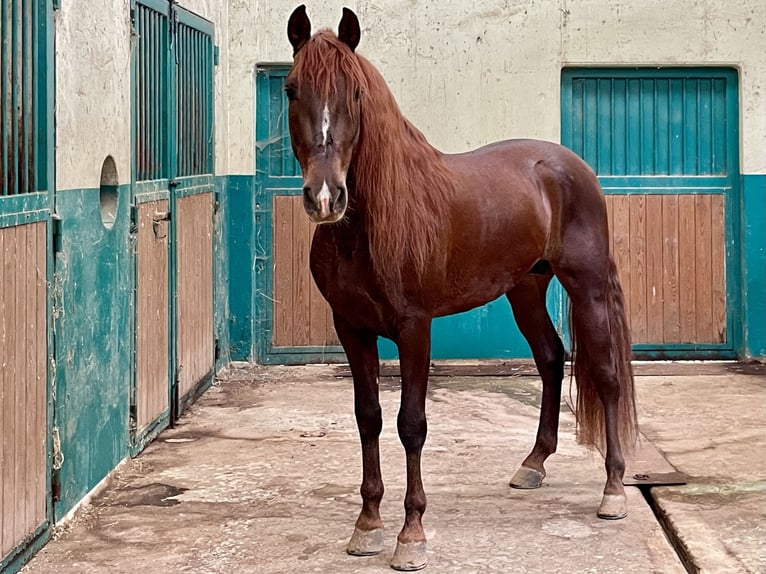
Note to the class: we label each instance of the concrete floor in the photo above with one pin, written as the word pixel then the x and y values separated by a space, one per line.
pixel 263 475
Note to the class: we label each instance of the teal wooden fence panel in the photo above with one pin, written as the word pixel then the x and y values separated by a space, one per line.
pixel 650 126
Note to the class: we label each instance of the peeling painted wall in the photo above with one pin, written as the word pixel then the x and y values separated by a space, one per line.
pixel 493 66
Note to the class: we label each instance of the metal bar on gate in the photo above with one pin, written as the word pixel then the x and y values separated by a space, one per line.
pixel 26 107
pixel 13 151
pixel 154 95
pixel 141 81
pixel 4 87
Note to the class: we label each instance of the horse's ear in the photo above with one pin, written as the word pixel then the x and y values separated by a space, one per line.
pixel 298 28
pixel 348 29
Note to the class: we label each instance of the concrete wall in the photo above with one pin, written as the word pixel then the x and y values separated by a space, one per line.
pixel 493 66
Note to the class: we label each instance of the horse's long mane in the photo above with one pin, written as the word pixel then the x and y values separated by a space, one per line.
pixel 399 180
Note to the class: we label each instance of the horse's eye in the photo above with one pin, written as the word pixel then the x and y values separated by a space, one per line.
pixel 290 92
pixel 358 94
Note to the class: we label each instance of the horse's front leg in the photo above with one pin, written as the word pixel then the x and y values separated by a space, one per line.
pixel 362 352
pixel 414 344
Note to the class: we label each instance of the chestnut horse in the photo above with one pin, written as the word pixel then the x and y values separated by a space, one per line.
pixel 408 233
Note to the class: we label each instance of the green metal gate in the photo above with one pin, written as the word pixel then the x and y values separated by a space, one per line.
pixel 173 211
pixel 664 144
pixel 25 271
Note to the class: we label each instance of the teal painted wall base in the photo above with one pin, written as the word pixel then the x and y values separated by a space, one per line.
pixel 240 243
pixel 221 276
pixel 754 265
pixel 93 342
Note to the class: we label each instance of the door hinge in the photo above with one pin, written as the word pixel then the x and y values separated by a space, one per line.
pixel 216 55
pixel 56 228
pixel 133 219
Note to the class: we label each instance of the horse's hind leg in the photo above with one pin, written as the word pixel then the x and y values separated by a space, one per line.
pixel 528 303
pixel 602 352
pixel 362 352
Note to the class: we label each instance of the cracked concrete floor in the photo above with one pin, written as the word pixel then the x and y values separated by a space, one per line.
pixel 262 476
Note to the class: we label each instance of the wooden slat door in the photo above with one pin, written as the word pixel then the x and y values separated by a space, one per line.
pixel 150 408
pixel 295 322
pixel 152 319
pixel 193 197
pixel 175 197
pixel 194 288
pixel 26 110
pixel 664 146
pixel 23 383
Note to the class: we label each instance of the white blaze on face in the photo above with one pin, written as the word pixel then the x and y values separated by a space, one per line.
pixel 325 124
pixel 324 200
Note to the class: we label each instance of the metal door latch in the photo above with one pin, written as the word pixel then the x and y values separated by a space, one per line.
pixel 157 218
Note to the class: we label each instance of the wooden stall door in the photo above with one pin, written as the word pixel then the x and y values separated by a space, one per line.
pixel 23 383
pixel 294 320
pixel 302 317
pixel 664 145
pixel 195 339
pixel 151 315
pixel 193 195
pixel 151 214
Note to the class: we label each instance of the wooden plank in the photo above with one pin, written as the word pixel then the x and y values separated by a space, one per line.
pixel 718 268
pixel 638 267
pixel 301 275
pixel 9 392
pixel 671 322
pixel 152 315
pixel 317 306
pixel 622 247
pixel 31 406
pixel 703 280
pixel 194 237
pixel 654 244
pixel 610 221
pixel 6 407
pixel 19 382
pixel 283 264
pixel 687 271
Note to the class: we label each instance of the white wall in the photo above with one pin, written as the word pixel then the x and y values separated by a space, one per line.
pixel 493 67
pixel 92 91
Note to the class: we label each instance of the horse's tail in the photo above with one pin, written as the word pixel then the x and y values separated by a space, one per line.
pixel 590 413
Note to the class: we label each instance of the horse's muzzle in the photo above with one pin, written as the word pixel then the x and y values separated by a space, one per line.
pixel 327 206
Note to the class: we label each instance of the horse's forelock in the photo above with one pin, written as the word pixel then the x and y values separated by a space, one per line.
pixel 322 61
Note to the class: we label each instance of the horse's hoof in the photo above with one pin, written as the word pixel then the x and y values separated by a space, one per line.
pixel 365 542
pixel 613 507
pixel 409 557
pixel 526 478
